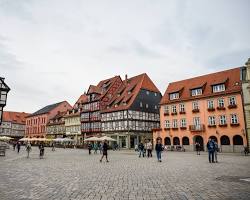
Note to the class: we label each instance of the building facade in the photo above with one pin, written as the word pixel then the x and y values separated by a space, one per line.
pixel 204 107
pixel 56 126
pixel 133 112
pixel 4 89
pixel 13 124
pixel 73 122
pixel 246 95
pixel 36 122
pixel 98 98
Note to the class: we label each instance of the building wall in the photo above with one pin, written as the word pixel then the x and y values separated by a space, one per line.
pixel 246 95
pixel 36 125
pixel 12 129
pixel 204 114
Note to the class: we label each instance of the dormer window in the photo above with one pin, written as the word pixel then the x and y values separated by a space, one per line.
pixel 196 92
pixel 174 96
pixel 218 88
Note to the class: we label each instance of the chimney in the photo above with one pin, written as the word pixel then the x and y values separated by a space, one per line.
pixel 126 78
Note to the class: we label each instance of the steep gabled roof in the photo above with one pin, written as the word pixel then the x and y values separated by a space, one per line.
pixel 46 109
pixel 15 117
pixel 230 77
pixel 82 99
pixel 127 92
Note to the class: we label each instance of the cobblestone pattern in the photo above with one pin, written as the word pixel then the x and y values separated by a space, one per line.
pixel 73 174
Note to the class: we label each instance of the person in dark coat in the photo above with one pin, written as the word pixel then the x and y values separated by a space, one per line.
pixel 105 150
pixel 211 149
pixel 41 149
pixel 89 148
pixel 158 149
pixel 18 147
pixel 198 148
pixel 141 149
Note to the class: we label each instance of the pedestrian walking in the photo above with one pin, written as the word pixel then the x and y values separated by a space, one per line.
pixel 149 147
pixel 105 151
pixel 141 149
pixel 89 147
pixel 41 149
pixel 14 146
pixel 18 147
pixel 198 148
pixel 53 146
pixel 216 150
pixel 100 147
pixel 95 148
pixel 28 149
pixel 211 149
pixel 158 149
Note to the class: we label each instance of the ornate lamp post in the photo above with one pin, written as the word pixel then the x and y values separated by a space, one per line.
pixel 4 89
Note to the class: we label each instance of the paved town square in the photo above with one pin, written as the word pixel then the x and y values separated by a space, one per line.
pixel 73 174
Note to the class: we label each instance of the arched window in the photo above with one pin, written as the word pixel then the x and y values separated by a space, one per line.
pixel 214 138
pixel 237 140
pixel 167 141
pixel 185 141
pixel 176 141
pixel 224 140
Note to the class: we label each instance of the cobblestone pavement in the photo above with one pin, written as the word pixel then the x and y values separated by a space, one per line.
pixel 73 174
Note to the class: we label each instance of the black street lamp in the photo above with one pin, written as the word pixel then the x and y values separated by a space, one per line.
pixel 4 89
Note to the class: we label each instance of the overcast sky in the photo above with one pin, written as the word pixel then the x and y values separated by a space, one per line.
pixel 52 50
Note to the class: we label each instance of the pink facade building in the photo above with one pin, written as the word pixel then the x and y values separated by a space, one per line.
pixel 204 107
pixel 36 122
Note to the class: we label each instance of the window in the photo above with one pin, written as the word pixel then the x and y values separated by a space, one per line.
pixel 234 119
pixel 221 103
pixel 175 123
pixel 174 110
pixel 182 108
pixel 147 92
pixel 223 120
pixel 196 92
pixel 155 94
pixel 166 109
pixel 211 120
pixel 141 104
pixel 218 88
pixel 210 104
pixel 174 96
pixel 183 123
pixel 232 101
pixel 167 124
pixel 195 105
pixel 156 107
pixel 146 105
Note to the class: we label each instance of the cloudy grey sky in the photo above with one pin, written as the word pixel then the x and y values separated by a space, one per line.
pixel 52 50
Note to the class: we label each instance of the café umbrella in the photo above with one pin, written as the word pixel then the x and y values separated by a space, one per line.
pixel 5 138
pixel 107 138
pixel 92 139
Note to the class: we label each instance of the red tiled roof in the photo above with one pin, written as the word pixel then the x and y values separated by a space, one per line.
pixel 16 117
pixel 82 99
pixel 128 91
pixel 230 77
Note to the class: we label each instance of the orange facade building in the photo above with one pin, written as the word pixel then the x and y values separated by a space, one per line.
pixel 204 107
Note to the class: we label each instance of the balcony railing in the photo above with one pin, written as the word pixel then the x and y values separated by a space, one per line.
pixel 197 128
pixel 166 113
pixel 232 106
pixel 211 109
pixel 221 108
pixel 196 110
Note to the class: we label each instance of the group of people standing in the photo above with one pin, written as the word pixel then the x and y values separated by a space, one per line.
pixel 103 148
pixel 148 148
